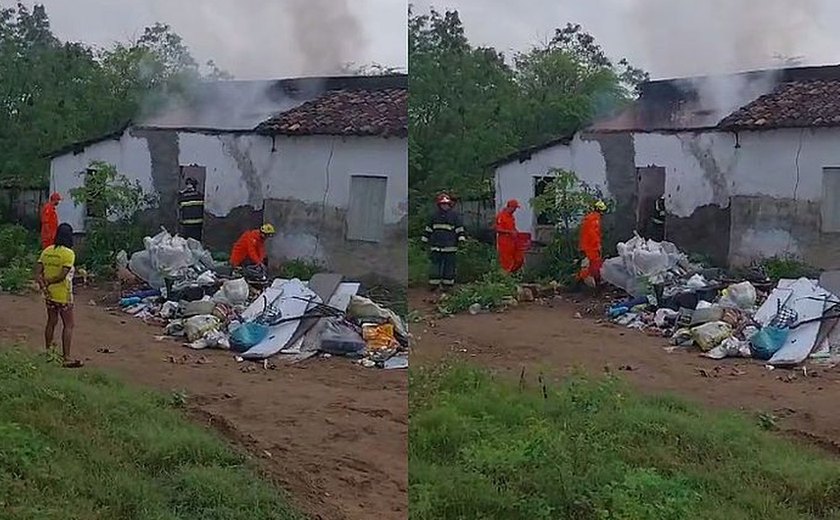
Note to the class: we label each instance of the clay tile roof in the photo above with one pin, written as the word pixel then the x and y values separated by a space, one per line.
pixel 791 105
pixel 362 112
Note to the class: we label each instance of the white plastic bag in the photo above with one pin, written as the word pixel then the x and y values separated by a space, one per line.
pixel 198 326
pixel 236 291
pixel 740 295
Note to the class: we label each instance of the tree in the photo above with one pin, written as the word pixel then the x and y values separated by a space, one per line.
pixel 470 106
pixel 53 93
pixel 112 203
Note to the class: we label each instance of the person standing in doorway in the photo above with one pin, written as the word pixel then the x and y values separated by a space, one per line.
pixel 54 274
pixel 49 221
pixel 511 258
pixel 656 227
pixel 591 243
pixel 443 234
pixel 191 210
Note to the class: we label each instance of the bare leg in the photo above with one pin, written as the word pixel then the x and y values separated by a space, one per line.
pixel 67 322
pixel 49 330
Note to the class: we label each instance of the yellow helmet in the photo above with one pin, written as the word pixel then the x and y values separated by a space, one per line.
pixel 600 205
pixel 267 229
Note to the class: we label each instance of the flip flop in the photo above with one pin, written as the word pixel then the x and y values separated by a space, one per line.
pixel 73 364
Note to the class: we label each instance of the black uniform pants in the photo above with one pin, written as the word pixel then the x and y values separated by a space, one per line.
pixel 191 231
pixel 443 269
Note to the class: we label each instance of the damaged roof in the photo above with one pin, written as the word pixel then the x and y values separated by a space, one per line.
pixel 362 112
pixel 791 105
pixel 794 97
pixel 702 103
pixel 338 105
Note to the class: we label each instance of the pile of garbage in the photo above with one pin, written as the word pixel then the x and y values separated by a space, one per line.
pixel 177 285
pixel 781 325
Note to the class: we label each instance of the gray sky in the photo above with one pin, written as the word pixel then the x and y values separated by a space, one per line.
pixel 665 37
pixel 249 38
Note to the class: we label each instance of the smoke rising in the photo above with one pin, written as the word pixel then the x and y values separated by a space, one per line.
pixel 327 33
pixel 718 37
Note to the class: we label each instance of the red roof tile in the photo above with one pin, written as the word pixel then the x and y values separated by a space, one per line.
pixel 790 105
pixel 363 112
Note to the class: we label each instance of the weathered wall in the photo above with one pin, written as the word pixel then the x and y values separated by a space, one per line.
pixel 304 184
pixel 516 180
pixel 733 200
pixel 129 154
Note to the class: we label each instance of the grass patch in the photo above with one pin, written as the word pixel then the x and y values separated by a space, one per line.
pixel 490 292
pixel 481 448
pixel 80 445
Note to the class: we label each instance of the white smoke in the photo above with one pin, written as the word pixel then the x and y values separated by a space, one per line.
pixel 715 38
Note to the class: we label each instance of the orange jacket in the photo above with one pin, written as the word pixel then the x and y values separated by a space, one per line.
pixel 510 257
pixel 250 246
pixel 590 233
pixel 49 224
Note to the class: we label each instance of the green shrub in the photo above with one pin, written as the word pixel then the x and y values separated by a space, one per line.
pixel 490 292
pixel 300 269
pixel 15 242
pixel 788 266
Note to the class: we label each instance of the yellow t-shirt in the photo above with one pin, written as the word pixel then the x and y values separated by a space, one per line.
pixel 54 260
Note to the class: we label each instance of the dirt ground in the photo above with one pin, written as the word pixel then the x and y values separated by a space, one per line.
pixel 332 433
pixel 563 337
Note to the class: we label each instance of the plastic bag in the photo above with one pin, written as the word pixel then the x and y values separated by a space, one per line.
pixel 213 339
pixel 236 291
pixel 730 347
pixel 379 337
pixel 247 335
pixel 197 326
pixel 710 335
pixel 341 339
pixel 767 342
pixel 741 295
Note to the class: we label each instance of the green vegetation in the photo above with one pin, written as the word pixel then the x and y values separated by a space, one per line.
pixel 491 292
pixel 779 267
pixel 300 269
pixel 18 254
pixel 81 92
pixel 79 445
pixel 113 222
pixel 592 449
pixel 472 105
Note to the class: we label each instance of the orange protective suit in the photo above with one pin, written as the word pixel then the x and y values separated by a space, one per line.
pixel 49 221
pixel 250 248
pixel 510 257
pixel 590 245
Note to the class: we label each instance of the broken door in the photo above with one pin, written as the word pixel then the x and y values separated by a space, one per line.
pixel 650 186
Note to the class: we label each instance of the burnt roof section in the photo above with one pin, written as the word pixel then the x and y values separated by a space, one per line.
pixel 240 106
pixel 791 105
pixel 360 112
pixel 231 106
pixel 673 105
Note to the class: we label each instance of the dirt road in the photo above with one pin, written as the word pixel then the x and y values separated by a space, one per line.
pixel 551 340
pixel 330 432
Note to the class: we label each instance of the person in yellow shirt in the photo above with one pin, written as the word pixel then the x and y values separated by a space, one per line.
pixel 54 274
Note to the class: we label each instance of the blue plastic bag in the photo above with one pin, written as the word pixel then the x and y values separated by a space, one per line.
pixel 247 335
pixel 767 342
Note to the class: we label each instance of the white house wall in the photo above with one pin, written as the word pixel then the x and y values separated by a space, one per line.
pixel 757 199
pixel 130 155
pixel 516 180
pixel 303 185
